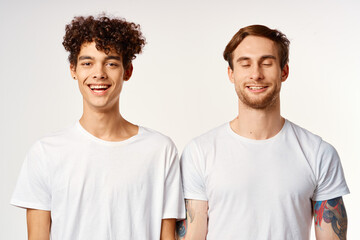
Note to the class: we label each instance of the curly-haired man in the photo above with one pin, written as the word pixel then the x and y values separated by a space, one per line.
pixel 103 177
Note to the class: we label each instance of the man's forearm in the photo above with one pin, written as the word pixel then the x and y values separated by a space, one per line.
pixel 330 219
pixel 38 224
pixel 194 227
pixel 168 229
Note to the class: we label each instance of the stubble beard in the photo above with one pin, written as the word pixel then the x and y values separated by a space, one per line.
pixel 256 102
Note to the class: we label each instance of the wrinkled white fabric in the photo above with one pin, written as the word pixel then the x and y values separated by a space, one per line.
pixel 261 189
pixel 97 189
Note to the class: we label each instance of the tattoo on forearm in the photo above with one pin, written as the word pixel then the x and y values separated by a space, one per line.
pixel 181 226
pixel 332 211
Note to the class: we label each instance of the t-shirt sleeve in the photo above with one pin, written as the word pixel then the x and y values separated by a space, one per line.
pixel 33 186
pixel 174 205
pixel 329 174
pixel 192 171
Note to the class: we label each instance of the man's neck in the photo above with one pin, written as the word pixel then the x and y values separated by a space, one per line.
pixel 107 125
pixel 258 124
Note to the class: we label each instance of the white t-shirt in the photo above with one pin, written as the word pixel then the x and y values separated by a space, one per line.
pixel 97 189
pixel 261 189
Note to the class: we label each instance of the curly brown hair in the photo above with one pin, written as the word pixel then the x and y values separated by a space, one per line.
pixel 109 34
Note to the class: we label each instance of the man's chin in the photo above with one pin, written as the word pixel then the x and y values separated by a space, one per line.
pixel 260 104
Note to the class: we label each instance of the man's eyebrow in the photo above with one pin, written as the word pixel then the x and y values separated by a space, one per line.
pixel 113 57
pixel 85 57
pixel 107 58
pixel 268 56
pixel 262 58
pixel 242 59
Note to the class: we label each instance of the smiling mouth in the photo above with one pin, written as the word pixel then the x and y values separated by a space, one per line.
pixel 99 88
pixel 256 88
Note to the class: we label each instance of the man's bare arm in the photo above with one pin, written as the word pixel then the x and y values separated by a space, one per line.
pixel 194 227
pixel 168 229
pixel 38 224
pixel 330 219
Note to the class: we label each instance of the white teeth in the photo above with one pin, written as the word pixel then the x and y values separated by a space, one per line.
pixel 98 87
pixel 256 88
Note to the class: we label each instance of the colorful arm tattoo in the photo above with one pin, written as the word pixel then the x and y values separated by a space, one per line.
pixel 181 226
pixel 332 211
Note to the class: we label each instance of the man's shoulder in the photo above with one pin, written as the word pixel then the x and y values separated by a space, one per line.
pixel 155 137
pixel 311 141
pixel 52 141
pixel 210 137
pixel 303 134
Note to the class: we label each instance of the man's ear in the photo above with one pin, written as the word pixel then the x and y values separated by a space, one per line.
pixel 231 74
pixel 285 73
pixel 128 72
pixel 73 71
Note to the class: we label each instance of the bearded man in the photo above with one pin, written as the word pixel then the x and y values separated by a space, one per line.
pixel 260 176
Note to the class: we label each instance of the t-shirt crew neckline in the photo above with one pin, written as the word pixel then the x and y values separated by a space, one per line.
pixel 254 141
pixel 109 143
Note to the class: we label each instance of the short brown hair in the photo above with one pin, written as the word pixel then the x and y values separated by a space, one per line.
pixel 262 31
pixel 109 34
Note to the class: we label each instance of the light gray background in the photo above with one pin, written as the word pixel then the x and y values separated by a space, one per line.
pixel 179 86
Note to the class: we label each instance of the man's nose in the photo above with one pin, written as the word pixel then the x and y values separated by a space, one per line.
pixel 99 73
pixel 256 73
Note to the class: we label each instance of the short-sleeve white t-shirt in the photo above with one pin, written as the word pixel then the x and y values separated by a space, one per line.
pixel 261 189
pixel 97 189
